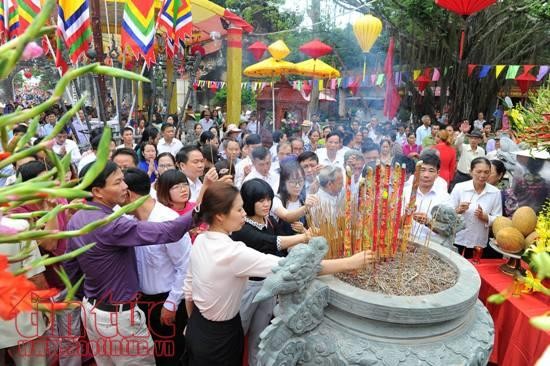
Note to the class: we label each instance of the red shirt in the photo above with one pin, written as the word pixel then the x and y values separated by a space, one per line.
pixel 447 155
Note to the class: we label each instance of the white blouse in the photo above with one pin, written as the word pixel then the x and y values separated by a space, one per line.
pixel 476 232
pixel 217 273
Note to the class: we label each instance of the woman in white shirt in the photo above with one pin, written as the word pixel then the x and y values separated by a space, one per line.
pixel 290 205
pixel 218 272
pixel 479 203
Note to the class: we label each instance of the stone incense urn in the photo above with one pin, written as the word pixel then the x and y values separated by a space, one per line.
pixel 325 321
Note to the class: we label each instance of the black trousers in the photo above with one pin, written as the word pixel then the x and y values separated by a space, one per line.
pixel 169 340
pixel 211 343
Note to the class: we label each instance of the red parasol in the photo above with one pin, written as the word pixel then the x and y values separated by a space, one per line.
pixel 315 48
pixel 257 49
pixel 464 8
pixel 525 81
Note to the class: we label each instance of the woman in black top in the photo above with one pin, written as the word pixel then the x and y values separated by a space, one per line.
pixel 259 232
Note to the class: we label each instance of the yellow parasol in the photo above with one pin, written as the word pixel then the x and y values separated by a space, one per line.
pixel 316 68
pixel 269 68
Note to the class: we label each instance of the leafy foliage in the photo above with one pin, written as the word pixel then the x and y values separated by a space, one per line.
pixel 248 97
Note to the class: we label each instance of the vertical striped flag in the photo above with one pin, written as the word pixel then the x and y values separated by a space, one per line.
pixel 2 22
pixel 28 10
pixel 73 23
pixel 10 18
pixel 138 28
pixel 175 19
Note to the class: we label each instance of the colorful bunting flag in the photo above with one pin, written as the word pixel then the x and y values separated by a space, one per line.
pixel 28 10
pixel 436 75
pixel 527 68
pixel 416 74
pixel 543 70
pixel 498 70
pixel 379 79
pixel 484 71
pixel 471 68
pixel 512 71
pixel 138 28
pixel 73 23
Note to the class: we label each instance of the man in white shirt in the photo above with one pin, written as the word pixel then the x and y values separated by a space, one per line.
pixel 373 130
pixel 168 143
pixel 47 128
pixel 161 272
pixel 63 146
pixel 191 162
pixel 428 196
pixel 284 149
pixel 468 152
pixel 297 145
pixel 261 160
pixel 331 181
pixel 331 154
pixel 310 163
pixel 244 167
pixel 478 123
pixel 253 123
pixel 401 136
pixel 127 138
pixel 424 130
pixel 306 126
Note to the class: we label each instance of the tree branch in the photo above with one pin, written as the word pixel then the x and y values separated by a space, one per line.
pixel 521 40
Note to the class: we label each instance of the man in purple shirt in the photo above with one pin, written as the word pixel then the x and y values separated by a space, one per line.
pixel 116 327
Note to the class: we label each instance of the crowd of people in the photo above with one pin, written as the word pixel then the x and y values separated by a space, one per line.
pixel 225 203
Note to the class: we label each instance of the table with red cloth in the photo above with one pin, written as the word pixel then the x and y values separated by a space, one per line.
pixel 517 343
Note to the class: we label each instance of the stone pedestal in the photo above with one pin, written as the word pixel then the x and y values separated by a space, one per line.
pixel 331 322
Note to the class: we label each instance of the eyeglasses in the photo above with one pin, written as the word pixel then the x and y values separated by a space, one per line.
pixel 179 187
pixel 166 166
pixel 296 183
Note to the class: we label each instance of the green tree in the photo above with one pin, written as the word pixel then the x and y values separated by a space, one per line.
pixel 248 97
pixel 509 32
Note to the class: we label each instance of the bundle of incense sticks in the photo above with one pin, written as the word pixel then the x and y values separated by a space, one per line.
pixel 397 219
pixel 359 238
pixel 375 212
pixel 347 218
pixel 368 209
pixel 407 222
pixel 393 188
pixel 369 219
pixel 384 218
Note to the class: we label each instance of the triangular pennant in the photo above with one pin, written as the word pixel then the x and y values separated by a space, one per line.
pixel 512 71
pixel 445 71
pixel 427 72
pixel 436 75
pixel 543 70
pixel 379 79
pixel 321 87
pixel 416 74
pixel 527 68
pixel 471 68
pixel 484 71
pixel 498 70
